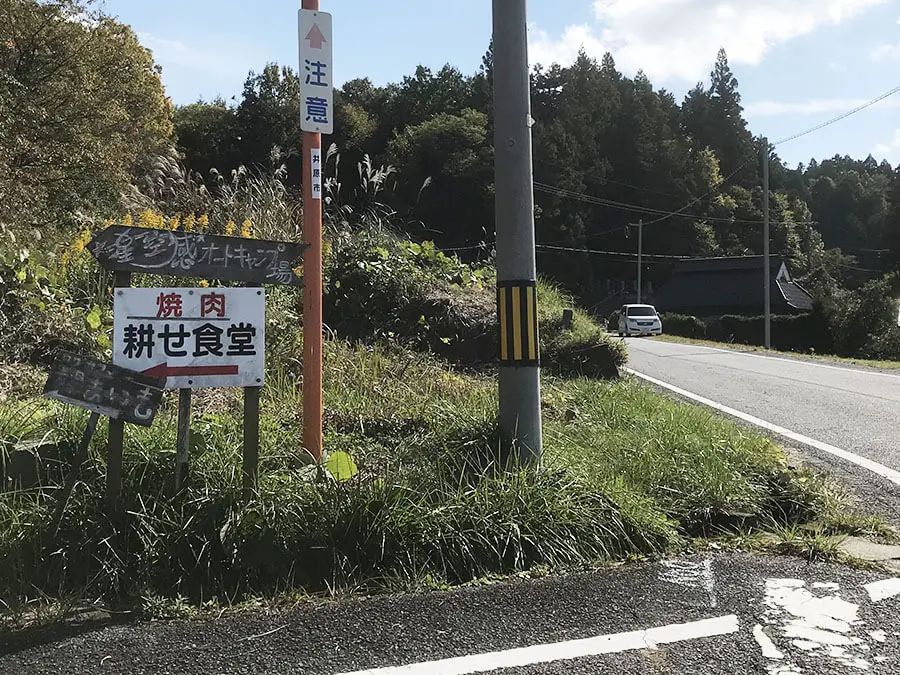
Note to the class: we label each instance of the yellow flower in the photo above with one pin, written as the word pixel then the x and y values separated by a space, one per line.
pixel 127 220
pixel 146 218
pixel 326 248
pixel 230 228
pixel 174 222
pixel 247 229
pixel 64 260
pixel 80 243
pixel 188 223
pixel 203 223
pixel 109 222
pixel 203 283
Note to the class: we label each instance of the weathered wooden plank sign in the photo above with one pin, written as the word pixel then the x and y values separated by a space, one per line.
pixel 192 254
pixel 104 389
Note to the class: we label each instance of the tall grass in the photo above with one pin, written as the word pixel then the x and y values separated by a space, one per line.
pixel 627 473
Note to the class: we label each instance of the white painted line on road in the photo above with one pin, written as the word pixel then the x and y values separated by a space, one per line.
pixel 801 361
pixel 864 462
pixel 564 651
pixel 884 589
pixel 769 650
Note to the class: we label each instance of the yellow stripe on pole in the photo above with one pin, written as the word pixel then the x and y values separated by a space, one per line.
pixel 517 322
pixel 531 326
pixel 504 346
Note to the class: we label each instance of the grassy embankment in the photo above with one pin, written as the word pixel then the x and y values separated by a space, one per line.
pixel 627 473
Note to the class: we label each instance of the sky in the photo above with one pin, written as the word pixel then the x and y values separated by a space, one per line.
pixel 798 62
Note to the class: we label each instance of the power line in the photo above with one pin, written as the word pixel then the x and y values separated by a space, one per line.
pixel 604 180
pixel 616 254
pixel 646 210
pixel 839 117
pixel 484 245
pixel 715 188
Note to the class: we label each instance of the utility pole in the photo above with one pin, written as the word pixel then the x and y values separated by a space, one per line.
pixel 640 227
pixel 767 270
pixel 519 377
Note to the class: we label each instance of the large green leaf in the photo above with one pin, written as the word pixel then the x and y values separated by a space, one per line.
pixel 341 466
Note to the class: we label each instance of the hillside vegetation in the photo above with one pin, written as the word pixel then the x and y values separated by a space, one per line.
pixel 413 491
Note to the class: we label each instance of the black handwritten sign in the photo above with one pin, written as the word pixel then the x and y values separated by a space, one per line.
pixel 104 388
pixel 191 254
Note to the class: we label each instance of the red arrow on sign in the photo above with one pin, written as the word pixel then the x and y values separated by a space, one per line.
pixel 163 371
pixel 315 37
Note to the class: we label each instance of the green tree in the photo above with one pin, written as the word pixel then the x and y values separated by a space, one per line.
pixel 267 121
pixel 713 118
pixel 81 104
pixel 206 134
pixel 445 177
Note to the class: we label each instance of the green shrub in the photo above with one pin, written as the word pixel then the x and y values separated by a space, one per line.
pixel 863 321
pixel 37 314
pixel 683 325
pixel 797 333
pixel 884 346
pixel 381 287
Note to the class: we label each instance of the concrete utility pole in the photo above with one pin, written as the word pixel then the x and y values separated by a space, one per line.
pixel 767 271
pixel 640 228
pixel 519 379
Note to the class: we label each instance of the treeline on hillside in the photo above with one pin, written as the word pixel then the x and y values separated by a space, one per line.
pixel 608 149
pixel 86 132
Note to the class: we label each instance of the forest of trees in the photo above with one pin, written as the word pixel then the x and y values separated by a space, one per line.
pixel 85 128
pixel 608 149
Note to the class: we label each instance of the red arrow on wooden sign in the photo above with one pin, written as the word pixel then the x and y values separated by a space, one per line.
pixel 163 371
pixel 315 37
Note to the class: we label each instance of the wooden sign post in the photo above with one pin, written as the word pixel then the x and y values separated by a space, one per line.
pixel 316 118
pixel 104 389
pixel 194 337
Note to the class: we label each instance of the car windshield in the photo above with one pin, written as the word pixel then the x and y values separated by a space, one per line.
pixel 641 310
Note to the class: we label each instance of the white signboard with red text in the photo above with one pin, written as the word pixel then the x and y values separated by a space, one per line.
pixel 192 337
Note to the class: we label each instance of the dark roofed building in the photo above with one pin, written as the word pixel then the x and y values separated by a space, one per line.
pixel 707 287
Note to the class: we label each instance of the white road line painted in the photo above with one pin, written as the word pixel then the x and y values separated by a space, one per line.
pixel 864 462
pixel 801 361
pixel 564 651
pixel 769 650
pixel 822 624
pixel 884 589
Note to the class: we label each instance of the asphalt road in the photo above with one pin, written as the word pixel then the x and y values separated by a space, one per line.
pixel 854 409
pixel 715 614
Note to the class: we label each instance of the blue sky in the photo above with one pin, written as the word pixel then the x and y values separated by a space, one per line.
pixel 799 62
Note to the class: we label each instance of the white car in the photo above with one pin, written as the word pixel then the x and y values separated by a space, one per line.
pixel 639 320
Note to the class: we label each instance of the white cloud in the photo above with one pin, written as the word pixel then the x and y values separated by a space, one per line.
pixel 813 106
pixel 890 150
pixel 543 49
pixel 678 39
pixel 886 52
pixel 222 59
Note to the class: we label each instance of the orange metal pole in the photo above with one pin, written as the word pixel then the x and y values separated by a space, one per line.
pixel 312 297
